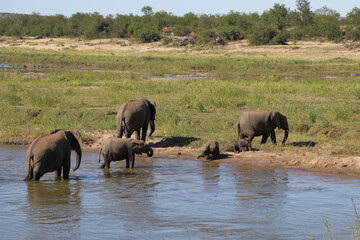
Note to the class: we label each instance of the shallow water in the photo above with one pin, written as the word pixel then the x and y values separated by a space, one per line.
pixel 172 199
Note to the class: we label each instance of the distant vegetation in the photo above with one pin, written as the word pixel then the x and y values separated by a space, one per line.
pixel 277 25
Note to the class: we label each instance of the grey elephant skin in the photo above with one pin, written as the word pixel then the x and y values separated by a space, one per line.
pixel 116 149
pixel 136 115
pixel 241 145
pixel 52 152
pixel 256 123
pixel 210 149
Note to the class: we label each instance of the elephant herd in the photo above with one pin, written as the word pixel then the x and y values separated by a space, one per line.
pixel 51 152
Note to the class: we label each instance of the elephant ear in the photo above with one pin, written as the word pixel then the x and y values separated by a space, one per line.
pixel 152 105
pixel 136 146
pixel 274 120
pixel 75 139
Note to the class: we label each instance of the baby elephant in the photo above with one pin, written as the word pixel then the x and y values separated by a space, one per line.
pixel 210 148
pixel 239 146
pixel 116 149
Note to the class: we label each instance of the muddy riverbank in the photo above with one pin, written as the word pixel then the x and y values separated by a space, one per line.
pixel 302 158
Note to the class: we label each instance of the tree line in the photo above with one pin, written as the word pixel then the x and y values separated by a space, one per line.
pixel 277 25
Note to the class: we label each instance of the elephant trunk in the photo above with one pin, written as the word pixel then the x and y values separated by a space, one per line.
pixel 149 151
pixel 78 159
pixel 286 128
pixel 152 127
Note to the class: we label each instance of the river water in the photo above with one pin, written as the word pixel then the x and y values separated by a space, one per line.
pixel 172 199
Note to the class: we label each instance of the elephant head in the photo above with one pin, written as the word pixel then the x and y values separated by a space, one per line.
pixel 139 147
pixel 74 138
pixel 152 106
pixel 280 121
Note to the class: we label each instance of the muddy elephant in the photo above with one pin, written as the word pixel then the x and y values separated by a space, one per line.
pixel 241 145
pixel 210 148
pixel 256 123
pixel 52 152
pixel 116 149
pixel 135 115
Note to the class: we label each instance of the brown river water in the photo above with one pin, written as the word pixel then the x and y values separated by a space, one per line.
pixel 172 199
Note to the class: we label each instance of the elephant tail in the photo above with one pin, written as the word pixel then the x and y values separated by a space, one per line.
pixel 100 154
pixel 30 162
pixel 238 129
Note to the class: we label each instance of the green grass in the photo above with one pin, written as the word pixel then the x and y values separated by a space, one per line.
pixel 320 98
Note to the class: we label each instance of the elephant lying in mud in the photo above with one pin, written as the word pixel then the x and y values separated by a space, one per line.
pixel 135 115
pixel 210 148
pixel 116 149
pixel 256 123
pixel 241 145
pixel 52 152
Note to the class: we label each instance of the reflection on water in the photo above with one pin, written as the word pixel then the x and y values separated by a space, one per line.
pixel 172 199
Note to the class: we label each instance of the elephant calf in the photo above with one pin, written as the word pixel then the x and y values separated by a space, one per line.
pixel 116 149
pixel 241 145
pixel 210 148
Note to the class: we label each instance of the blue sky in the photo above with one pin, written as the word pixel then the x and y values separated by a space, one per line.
pixel 178 7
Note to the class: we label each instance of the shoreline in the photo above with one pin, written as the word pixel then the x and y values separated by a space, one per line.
pixel 287 159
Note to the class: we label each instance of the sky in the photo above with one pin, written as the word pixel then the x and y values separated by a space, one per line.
pixel 178 7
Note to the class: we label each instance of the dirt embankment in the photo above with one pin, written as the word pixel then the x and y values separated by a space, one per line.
pixel 177 148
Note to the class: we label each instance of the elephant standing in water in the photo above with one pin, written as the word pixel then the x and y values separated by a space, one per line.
pixel 116 149
pixel 135 115
pixel 256 123
pixel 52 152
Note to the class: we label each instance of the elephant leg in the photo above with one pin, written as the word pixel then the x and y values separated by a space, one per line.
pixel 58 173
pixel 130 160
pixel 242 136
pixel 137 134
pixel 66 171
pixel 30 175
pixel 273 137
pixel 37 175
pixel 144 131
pixel 264 138
pixel 120 133
pixel 133 161
pixel 250 137
pixel 127 162
pixel 107 161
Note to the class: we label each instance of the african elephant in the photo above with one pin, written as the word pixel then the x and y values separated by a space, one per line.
pixel 256 123
pixel 135 115
pixel 116 149
pixel 210 148
pixel 52 152
pixel 239 146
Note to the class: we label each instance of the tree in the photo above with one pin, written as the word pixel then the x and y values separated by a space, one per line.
pixel 306 15
pixel 147 10
pixel 353 17
pixel 278 16
pixel 326 23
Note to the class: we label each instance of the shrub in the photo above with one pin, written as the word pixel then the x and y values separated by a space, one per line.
pixel 146 35
pixel 230 33
pixel 262 35
pixel 280 38
pixel 181 30
pixel 205 36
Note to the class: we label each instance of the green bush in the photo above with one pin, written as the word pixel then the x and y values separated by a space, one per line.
pixel 205 36
pixel 230 33
pixel 262 35
pixel 181 30
pixel 280 38
pixel 146 35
